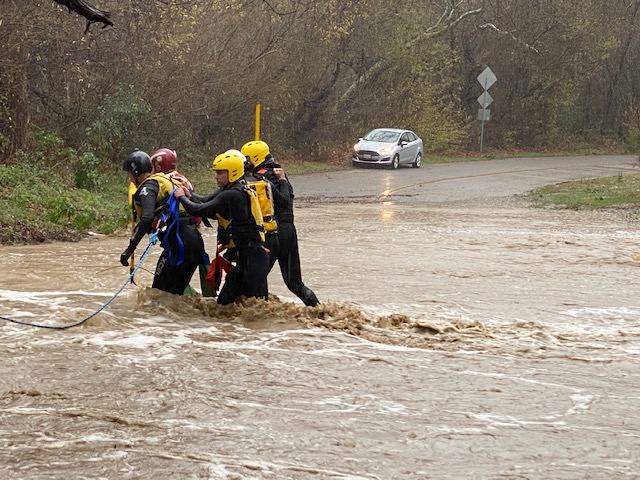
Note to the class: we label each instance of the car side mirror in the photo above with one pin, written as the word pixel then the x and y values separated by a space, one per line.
pixel 404 144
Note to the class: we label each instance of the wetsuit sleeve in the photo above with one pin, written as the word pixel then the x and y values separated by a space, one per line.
pixel 195 198
pixel 148 196
pixel 281 196
pixel 282 191
pixel 207 209
pixel 289 187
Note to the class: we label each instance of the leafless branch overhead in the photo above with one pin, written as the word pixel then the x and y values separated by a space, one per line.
pixel 88 11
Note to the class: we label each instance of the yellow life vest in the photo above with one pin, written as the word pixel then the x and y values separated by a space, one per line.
pixel 166 187
pixel 264 192
pixel 256 213
pixel 132 191
pixel 134 214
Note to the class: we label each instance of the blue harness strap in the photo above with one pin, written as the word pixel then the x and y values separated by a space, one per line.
pixel 173 231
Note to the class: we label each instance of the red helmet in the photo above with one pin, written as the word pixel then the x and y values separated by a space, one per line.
pixel 164 160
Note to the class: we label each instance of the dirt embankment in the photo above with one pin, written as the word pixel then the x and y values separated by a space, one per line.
pixel 22 233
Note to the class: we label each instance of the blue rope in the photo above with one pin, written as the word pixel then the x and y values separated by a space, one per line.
pixel 173 231
pixel 154 239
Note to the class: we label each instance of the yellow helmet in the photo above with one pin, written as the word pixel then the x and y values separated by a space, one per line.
pixel 233 162
pixel 256 152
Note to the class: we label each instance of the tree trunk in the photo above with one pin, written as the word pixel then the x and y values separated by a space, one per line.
pixel 19 103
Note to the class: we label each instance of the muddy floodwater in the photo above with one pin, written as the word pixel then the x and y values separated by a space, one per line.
pixel 455 340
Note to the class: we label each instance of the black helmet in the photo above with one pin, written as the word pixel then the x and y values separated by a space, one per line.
pixel 138 162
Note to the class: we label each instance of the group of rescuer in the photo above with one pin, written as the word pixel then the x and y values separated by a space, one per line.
pixel 253 206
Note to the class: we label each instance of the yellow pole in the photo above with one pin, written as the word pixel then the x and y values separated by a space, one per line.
pixel 257 121
pixel 132 191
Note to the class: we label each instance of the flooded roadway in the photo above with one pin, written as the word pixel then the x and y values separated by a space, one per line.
pixel 470 338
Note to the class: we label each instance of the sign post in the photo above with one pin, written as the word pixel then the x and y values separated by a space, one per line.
pixel 486 79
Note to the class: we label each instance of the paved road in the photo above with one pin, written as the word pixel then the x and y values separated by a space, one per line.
pixel 460 181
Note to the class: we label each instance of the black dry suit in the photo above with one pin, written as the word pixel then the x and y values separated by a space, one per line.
pixel 288 253
pixel 182 244
pixel 239 233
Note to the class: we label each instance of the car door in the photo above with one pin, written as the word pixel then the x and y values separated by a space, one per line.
pixel 405 148
pixel 413 147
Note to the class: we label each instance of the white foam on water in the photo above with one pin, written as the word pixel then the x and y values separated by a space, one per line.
pixel 27 297
pixel 496 420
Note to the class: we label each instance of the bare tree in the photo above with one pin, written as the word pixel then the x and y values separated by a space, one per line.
pixel 450 14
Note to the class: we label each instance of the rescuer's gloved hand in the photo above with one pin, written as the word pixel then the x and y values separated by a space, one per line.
pixel 124 257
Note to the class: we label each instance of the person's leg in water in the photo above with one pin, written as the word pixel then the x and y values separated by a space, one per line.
pixel 289 260
pixel 254 268
pixel 272 244
pixel 249 276
pixel 175 278
pixel 230 289
pixel 171 278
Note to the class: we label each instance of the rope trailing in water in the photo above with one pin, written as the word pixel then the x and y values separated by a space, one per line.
pixel 154 239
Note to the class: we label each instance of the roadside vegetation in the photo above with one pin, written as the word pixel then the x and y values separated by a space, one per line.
pixel 40 204
pixel 620 191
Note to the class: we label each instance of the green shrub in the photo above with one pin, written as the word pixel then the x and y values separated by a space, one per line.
pixel 87 172
pixel 118 119
pixel 632 140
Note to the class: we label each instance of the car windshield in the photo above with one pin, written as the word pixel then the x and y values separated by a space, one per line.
pixel 386 136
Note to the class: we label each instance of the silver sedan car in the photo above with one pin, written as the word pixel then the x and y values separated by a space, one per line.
pixel 390 147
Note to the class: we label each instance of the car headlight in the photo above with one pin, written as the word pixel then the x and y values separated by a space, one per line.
pixel 387 149
pixel 356 147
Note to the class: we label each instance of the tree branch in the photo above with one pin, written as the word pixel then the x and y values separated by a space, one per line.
pixel 88 11
pixel 450 18
pixel 491 26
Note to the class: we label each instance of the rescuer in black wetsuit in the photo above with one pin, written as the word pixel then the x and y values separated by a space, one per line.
pixel 240 228
pixel 182 243
pixel 257 152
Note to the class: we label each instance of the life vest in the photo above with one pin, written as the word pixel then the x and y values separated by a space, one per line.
pixel 130 195
pixel 166 186
pixel 132 192
pixel 168 211
pixel 284 214
pixel 230 234
pixel 262 188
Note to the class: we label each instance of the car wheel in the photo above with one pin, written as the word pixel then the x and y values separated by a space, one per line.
pixel 395 162
pixel 418 161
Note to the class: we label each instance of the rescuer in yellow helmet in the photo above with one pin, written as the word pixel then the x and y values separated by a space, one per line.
pixel 240 227
pixel 288 255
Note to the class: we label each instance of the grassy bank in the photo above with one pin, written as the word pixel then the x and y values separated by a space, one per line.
pixel 41 204
pixel 620 190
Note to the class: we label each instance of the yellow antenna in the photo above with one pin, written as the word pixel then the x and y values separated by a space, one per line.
pixel 257 121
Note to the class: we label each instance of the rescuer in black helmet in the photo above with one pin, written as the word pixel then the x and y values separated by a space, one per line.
pixel 153 205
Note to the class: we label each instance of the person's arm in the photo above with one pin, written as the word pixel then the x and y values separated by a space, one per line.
pixel 282 191
pixel 148 198
pixel 148 206
pixel 194 197
pixel 207 208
